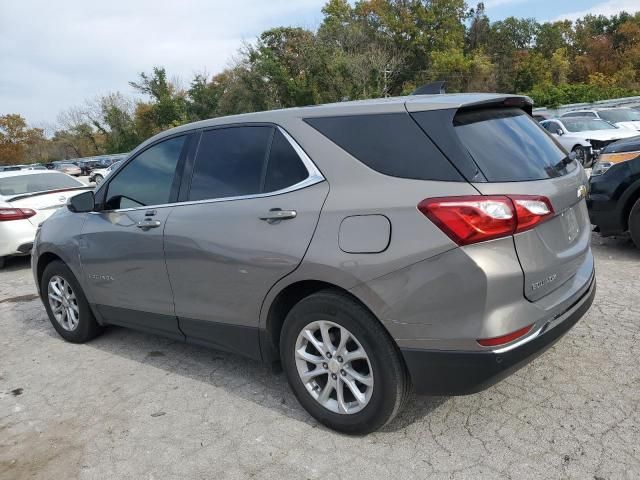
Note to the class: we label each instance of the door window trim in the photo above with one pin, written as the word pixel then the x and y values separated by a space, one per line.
pixel 187 159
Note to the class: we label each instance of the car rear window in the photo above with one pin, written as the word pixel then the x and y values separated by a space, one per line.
pixel 392 144
pixel 36 182
pixel 508 145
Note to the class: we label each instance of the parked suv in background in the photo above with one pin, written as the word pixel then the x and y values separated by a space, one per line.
pixel 614 193
pixel 619 116
pixel 435 241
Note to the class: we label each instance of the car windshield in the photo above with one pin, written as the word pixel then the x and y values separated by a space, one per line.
pixel 37 182
pixel 620 115
pixel 583 124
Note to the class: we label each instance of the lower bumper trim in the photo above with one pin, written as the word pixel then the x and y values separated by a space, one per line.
pixel 441 372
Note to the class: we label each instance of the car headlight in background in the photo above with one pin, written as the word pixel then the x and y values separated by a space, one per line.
pixel 608 160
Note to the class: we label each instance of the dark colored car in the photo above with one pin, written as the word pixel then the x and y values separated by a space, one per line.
pixel 614 197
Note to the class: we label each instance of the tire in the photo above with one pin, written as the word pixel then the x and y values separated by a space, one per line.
pixel 582 155
pixel 85 327
pixel 634 223
pixel 387 383
pixel 98 179
pixel 2 262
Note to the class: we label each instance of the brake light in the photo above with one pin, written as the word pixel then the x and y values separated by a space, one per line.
pixel 7 214
pixel 509 337
pixel 478 218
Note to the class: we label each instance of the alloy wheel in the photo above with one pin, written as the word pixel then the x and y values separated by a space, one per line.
pixel 63 303
pixel 334 367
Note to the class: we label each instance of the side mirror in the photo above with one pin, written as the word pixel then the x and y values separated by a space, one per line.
pixel 560 131
pixel 83 202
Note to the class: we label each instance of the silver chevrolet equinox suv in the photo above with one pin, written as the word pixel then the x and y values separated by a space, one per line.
pixel 433 242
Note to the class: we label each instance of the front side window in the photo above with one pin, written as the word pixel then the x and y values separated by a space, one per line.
pixel 148 178
pixel 230 162
pixel 584 124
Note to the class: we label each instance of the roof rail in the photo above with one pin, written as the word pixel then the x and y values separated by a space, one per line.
pixel 432 88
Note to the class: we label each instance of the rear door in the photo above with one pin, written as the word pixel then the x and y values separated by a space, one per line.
pixel 251 209
pixel 517 158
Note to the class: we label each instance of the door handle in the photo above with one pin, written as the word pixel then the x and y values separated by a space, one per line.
pixel 276 214
pixel 147 224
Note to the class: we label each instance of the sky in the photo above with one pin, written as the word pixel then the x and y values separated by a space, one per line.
pixel 56 55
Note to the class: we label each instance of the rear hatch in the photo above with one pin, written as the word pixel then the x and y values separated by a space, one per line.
pixel 513 155
pixel 517 157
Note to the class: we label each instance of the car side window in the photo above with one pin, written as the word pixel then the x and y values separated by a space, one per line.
pixel 148 178
pixel 285 168
pixel 230 162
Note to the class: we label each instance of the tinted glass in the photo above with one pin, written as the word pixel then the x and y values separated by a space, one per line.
pixel 508 145
pixel 230 162
pixel 583 124
pixel 148 178
pixel 392 144
pixel 285 167
pixel 38 182
pixel 621 115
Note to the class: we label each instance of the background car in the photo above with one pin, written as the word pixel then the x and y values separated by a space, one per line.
pixel 28 197
pixel 620 116
pixel 614 190
pixel 98 175
pixel 68 168
pixel 585 136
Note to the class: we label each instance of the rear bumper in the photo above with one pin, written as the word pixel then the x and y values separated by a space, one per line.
pixel 16 237
pixel 442 372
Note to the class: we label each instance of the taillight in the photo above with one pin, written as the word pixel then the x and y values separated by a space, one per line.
pixel 479 218
pixel 501 340
pixel 7 214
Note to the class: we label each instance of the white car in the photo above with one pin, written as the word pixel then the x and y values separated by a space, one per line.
pixel 585 136
pixel 27 198
pixel 622 117
pixel 100 174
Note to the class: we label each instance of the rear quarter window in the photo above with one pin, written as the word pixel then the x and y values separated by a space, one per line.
pixel 509 146
pixel 392 144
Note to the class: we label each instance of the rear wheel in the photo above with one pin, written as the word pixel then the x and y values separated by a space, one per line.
pixel 66 304
pixel 98 179
pixel 341 364
pixel 634 223
pixel 582 155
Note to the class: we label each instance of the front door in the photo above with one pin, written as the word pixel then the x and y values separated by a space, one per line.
pixel 121 248
pixel 253 205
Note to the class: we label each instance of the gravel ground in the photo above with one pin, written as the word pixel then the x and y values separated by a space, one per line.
pixel 131 405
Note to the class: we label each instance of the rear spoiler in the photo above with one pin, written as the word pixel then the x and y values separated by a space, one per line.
pixel 45 192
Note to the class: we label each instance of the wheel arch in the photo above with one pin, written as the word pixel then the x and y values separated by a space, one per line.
pixel 283 302
pixel 628 200
pixel 45 259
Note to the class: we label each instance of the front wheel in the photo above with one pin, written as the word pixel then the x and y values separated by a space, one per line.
pixel 341 363
pixel 582 155
pixel 66 305
pixel 634 223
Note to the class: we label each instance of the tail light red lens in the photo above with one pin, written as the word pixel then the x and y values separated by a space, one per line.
pixel 503 339
pixel 7 214
pixel 479 218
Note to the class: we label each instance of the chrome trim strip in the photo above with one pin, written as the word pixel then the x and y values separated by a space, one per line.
pixel 315 176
